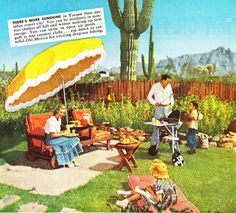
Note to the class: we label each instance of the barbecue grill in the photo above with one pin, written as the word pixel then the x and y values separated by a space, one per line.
pixel 171 126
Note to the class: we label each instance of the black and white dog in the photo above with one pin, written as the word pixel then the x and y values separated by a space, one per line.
pixel 178 159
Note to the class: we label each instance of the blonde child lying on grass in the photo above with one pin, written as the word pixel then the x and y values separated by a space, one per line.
pixel 161 195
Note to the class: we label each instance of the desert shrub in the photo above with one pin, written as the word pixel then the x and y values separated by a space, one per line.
pixel 123 113
pixel 217 113
pixel 14 121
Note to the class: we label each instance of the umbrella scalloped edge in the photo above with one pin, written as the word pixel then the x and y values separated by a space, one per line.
pixel 51 71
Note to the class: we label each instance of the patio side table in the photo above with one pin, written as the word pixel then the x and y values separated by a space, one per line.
pixel 126 152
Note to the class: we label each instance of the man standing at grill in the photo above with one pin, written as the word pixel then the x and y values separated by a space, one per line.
pixel 160 95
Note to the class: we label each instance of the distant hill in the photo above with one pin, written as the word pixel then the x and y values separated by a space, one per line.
pixel 223 59
pixel 117 69
pixel 102 68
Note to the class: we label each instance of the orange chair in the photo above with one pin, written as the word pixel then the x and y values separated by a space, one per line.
pixel 91 135
pixel 35 135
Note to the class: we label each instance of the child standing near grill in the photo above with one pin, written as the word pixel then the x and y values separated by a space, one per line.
pixel 192 127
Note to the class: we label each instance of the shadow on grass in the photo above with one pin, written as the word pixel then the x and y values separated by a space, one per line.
pixel 103 167
pixel 11 141
pixel 113 198
pixel 18 158
pixel 164 153
pixel 11 156
pixel 111 203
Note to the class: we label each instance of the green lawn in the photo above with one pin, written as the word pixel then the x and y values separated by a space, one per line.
pixel 207 180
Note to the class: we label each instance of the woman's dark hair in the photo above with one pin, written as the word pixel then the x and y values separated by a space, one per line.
pixel 56 111
pixel 165 76
pixel 195 104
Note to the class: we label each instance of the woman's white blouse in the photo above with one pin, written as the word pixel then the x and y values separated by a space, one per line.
pixel 53 125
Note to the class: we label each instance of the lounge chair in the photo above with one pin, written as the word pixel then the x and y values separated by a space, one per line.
pixel 35 135
pixel 91 135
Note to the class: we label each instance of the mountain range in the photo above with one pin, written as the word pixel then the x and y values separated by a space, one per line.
pixel 223 59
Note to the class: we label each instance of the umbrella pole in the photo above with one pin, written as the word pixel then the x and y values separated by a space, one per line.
pixel 64 95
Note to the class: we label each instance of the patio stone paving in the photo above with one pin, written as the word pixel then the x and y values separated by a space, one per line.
pixel 33 207
pixel 69 210
pixel 8 200
pixel 24 174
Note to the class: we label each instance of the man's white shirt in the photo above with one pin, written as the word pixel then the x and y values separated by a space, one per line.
pixel 161 95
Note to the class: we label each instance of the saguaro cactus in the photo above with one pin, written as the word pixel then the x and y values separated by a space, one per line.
pixel 151 62
pixel 16 69
pixel 131 24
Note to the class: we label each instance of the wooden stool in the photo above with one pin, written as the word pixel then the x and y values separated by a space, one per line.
pixel 126 152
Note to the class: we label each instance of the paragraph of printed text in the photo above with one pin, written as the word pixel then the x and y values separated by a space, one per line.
pixel 56 27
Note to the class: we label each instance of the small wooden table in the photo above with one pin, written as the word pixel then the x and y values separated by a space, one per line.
pixel 126 152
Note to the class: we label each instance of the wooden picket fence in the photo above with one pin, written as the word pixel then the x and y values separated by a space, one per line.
pixel 138 90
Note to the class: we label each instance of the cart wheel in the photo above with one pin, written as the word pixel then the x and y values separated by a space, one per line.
pixel 31 156
pixel 53 162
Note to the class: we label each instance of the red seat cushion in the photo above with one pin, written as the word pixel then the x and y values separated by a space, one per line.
pixel 37 122
pixel 79 115
pixel 37 142
pixel 141 181
pixel 34 124
pixel 100 134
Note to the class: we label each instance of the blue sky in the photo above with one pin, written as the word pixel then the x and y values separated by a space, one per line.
pixel 180 27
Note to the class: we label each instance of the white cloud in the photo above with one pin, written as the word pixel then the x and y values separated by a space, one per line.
pixel 230 19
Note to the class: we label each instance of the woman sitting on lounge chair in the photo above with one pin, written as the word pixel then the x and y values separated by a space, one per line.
pixel 65 148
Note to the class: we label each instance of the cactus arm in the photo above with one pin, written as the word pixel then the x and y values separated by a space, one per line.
pixel 17 70
pixel 129 16
pixel 136 12
pixel 151 68
pixel 151 34
pixel 116 12
pixel 151 61
pixel 145 15
pixel 151 48
pixel 144 67
pixel 149 74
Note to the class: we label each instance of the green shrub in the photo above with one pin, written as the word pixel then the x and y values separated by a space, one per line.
pixel 120 114
pixel 217 113
pixel 14 121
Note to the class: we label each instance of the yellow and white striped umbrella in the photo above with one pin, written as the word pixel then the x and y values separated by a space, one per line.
pixel 41 77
